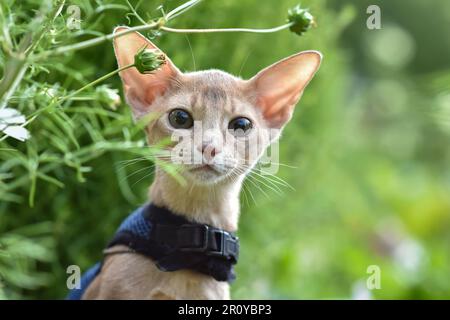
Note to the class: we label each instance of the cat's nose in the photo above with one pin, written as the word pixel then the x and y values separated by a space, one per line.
pixel 209 151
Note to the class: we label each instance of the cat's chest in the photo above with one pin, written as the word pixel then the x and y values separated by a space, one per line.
pixel 137 277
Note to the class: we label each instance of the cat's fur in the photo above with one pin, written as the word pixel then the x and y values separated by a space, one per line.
pixel 210 196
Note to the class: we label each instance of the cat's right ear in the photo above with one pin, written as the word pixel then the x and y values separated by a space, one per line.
pixel 141 89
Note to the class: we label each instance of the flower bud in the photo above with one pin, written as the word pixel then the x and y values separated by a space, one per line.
pixel 148 60
pixel 301 20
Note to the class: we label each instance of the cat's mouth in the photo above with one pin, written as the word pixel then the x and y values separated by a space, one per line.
pixel 205 168
pixel 206 173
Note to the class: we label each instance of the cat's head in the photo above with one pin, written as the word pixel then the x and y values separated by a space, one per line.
pixel 221 123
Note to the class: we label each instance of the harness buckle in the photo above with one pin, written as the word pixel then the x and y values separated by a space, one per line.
pixel 220 245
pixel 228 246
pixel 214 242
pixel 204 244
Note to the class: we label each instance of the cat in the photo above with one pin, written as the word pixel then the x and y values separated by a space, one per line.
pixel 243 111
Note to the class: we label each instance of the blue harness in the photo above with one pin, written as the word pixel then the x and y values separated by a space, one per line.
pixel 173 243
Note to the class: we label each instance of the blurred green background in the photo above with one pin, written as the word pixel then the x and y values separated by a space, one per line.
pixel 368 150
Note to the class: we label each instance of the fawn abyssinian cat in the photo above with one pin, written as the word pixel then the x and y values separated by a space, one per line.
pixel 234 114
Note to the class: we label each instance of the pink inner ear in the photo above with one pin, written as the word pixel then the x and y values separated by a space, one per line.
pixel 279 87
pixel 278 109
pixel 277 104
pixel 156 88
pixel 140 96
pixel 147 87
pixel 279 101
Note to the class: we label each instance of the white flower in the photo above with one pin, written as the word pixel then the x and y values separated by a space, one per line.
pixel 109 96
pixel 11 124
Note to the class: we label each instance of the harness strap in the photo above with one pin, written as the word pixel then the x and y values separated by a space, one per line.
pixel 197 238
pixel 174 243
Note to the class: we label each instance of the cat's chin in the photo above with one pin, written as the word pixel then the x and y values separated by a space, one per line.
pixel 205 175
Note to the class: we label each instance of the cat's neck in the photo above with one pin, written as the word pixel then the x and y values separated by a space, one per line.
pixel 216 205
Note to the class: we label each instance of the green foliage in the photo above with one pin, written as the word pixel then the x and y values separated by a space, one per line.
pixel 369 143
pixel 20 251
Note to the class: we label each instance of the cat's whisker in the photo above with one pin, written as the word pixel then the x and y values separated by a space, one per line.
pixel 127 163
pixel 272 186
pixel 130 160
pixel 214 193
pixel 266 175
pixel 241 171
pixel 267 162
pixel 191 189
pixel 139 171
pixel 244 192
pixel 251 194
pixel 192 52
pixel 270 177
pixel 277 179
pixel 243 63
pixel 279 164
pixel 142 178
pixel 257 186
pixel 234 177
pixel 162 154
pixel 150 168
pixel 274 179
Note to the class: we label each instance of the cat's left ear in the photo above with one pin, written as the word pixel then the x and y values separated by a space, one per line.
pixel 278 87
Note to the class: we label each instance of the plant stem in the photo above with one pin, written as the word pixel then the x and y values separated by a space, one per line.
pixel 15 68
pixel 135 13
pixel 181 9
pixel 95 41
pixel 155 25
pixel 73 94
pixel 92 42
pixel 93 83
pixel 270 30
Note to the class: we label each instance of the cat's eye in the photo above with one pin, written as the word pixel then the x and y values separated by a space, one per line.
pixel 240 126
pixel 180 119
